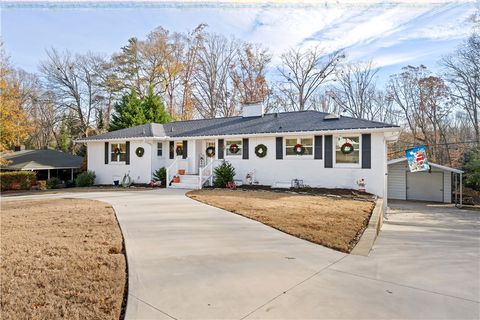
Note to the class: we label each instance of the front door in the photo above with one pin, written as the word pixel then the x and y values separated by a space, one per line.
pixel 209 151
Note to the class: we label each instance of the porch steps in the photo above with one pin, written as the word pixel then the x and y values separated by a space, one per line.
pixel 187 181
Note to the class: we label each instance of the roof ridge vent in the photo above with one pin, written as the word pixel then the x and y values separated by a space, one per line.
pixel 332 116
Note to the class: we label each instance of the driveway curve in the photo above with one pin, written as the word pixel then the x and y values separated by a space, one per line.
pixel 188 260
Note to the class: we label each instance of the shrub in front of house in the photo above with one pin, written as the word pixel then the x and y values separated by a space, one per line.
pixel 160 175
pixel 17 180
pixel 224 175
pixel 53 183
pixel 85 179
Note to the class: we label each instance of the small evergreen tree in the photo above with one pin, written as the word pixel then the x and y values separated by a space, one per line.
pixel 64 142
pixel 133 111
pixel 224 174
pixel 471 166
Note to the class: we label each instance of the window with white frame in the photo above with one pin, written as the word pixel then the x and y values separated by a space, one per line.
pixel 347 150
pixel 301 146
pixel 118 152
pixel 159 149
pixel 234 147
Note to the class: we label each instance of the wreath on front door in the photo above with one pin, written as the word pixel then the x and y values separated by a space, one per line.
pixel 234 148
pixel 179 150
pixel 210 152
pixel 299 149
pixel 261 150
pixel 347 148
pixel 139 152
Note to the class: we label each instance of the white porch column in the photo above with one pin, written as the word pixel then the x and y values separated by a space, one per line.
pixel 461 196
pixel 192 157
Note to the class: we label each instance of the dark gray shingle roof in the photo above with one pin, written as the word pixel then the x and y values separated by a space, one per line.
pixel 269 123
pixel 41 159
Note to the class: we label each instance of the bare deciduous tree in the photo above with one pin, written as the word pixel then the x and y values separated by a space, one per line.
pixel 304 71
pixel 249 75
pixel 75 83
pixel 355 91
pixel 462 72
pixel 213 91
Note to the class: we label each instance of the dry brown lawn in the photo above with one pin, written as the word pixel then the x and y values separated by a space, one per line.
pixel 332 222
pixel 61 259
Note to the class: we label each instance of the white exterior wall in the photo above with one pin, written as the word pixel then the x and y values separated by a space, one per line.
pixel 139 168
pixel 397 182
pixel 269 170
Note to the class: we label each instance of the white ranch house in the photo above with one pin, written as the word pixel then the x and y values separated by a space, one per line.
pixel 319 161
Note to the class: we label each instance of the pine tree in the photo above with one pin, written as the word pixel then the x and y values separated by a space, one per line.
pixel 128 113
pixel 154 109
pixel 64 138
pixel 133 111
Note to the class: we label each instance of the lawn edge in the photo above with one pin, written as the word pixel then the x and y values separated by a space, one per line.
pixel 370 234
pixel 123 308
pixel 358 236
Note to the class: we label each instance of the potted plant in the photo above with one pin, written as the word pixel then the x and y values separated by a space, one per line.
pixel 176 179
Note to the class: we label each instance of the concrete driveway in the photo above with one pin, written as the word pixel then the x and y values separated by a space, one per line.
pixel 189 260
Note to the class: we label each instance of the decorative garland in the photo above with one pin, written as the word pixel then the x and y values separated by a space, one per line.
pixel 210 152
pixel 139 152
pixel 179 150
pixel 261 150
pixel 234 148
pixel 299 149
pixel 347 148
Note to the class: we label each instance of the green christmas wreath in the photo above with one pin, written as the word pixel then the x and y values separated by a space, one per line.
pixel 179 150
pixel 234 148
pixel 261 150
pixel 210 152
pixel 347 148
pixel 299 149
pixel 139 152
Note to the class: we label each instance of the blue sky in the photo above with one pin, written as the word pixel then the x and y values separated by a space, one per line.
pixel 391 34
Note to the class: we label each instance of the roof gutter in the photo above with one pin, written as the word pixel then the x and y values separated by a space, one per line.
pixel 263 134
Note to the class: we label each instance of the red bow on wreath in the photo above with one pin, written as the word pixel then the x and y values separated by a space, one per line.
pixel 234 148
pixel 299 149
pixel 347 148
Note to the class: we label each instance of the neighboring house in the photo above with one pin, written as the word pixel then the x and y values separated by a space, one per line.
pixel 434 185
pixel 318 159
pixel 46 163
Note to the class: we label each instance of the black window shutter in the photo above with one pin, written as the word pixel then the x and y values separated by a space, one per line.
pixel 172 149
pixel 127 152
pixel 318 147
pixel 328 152
pixel 279 147
pixel 107 153
pixel 185 149
pixel 366 151
pixel 220 148
pixel 245 148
